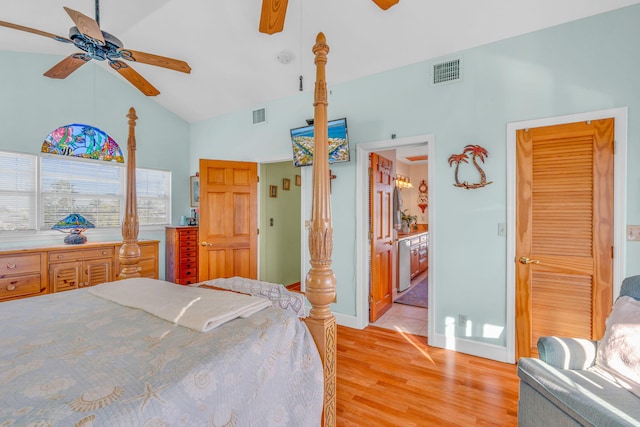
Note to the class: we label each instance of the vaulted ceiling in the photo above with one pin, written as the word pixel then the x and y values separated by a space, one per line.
pixel 236 67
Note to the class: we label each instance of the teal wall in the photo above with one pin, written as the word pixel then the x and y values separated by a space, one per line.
pixel 32 105
pixel 587 65
pixel 280 241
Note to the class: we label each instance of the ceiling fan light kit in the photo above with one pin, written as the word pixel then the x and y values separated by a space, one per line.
pixel 96 44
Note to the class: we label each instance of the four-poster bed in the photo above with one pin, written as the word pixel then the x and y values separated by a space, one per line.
pixel 84 357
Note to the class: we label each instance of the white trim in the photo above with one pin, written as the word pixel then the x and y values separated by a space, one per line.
pixel 619 201
pixel 475 348
pixel 362 215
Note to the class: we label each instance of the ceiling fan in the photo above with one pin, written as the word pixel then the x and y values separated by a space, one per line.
pixel 274 12
pixel 100 45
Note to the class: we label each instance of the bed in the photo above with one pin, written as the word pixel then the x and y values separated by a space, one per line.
pixel 78 358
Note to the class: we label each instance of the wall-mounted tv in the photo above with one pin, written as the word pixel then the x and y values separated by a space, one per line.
pixel 302 142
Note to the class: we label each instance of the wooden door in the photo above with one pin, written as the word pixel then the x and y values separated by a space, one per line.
pixel 564 231
pixel 228 220
pixel 381 231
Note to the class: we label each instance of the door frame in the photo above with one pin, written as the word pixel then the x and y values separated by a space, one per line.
pixel 619 202
pixel 362 223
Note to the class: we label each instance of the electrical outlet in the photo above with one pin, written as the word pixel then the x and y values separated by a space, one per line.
pixel 462 320
pixel 502 229
pixel 633 232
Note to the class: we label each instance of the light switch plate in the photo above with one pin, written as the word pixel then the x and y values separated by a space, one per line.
pixel 633 233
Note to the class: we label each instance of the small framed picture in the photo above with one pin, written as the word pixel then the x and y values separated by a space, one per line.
pixel 195 191
pixel 298 180
pixel 286 184
pixel 273 191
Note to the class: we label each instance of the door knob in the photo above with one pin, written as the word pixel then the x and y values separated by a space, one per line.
pixel 390 242
pixel 205 243
pixel 526 260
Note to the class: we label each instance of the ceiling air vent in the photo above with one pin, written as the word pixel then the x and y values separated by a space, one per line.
pixel 447 72
pixel 259 116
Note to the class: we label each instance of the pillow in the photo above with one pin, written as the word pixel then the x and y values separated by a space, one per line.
pixel 279 295
pixel 619 349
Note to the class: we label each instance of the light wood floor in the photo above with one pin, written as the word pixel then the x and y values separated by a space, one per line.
pixel 389 378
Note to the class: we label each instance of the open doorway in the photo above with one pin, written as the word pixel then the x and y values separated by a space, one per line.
pixel 279 222
pixel 424 146
pixel 398 217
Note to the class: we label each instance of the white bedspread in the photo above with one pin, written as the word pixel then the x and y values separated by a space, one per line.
pixel 198 309
pixel 73 359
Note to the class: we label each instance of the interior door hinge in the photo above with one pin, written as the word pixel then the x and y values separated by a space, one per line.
pixel 258 178
pixel 370 235
pixel 370 299
pixel 257 231
pixel 370 172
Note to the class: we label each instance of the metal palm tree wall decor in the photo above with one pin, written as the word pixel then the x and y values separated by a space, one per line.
pixel 476 152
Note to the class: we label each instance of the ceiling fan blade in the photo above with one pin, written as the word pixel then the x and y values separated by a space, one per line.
pixel 86 25
pixel 34 31
pixel 67 66
pixel 134 78
pixel 157 60
pixel 385 4
pixel 272 16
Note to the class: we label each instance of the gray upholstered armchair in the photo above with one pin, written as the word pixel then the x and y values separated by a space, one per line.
pixel 561 388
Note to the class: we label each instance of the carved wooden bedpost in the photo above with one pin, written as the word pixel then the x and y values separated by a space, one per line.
pixel 130 251
pixel 320 281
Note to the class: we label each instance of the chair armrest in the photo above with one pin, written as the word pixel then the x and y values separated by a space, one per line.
pixel 567 353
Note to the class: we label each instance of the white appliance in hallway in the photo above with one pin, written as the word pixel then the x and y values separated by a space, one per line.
pixel 404 265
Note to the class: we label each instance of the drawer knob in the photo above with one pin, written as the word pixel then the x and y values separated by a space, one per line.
pixel 60 256
pixel 11 287
pixel 11 265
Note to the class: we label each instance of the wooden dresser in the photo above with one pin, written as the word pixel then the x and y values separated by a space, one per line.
pixel 35 271
pixel 181 257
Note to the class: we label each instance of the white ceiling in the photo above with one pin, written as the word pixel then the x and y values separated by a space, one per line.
pixel 235 67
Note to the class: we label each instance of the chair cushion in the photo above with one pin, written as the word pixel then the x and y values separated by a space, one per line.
pixel 631 287
pixel 619 349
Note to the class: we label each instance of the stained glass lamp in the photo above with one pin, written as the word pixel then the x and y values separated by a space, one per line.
pixel 74 224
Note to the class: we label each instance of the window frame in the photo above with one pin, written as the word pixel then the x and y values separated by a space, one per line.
pixel 42 230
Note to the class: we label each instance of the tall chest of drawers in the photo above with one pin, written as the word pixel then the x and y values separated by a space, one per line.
pixel 181 257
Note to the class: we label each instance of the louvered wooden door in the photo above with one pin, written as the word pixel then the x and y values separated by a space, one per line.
pixel 564 231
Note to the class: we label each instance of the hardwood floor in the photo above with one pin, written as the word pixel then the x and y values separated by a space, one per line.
pixel 390 378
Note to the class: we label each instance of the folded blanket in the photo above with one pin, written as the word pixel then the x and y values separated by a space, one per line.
pixel 199 309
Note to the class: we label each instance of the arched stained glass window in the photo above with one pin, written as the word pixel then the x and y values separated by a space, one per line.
pixel 78 140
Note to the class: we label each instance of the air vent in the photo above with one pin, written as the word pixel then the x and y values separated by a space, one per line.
pixel 447 72
pixel 259 116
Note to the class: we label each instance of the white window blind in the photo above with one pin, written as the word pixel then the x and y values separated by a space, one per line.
pixel 18 193
pixel 153 189
pixel 92 189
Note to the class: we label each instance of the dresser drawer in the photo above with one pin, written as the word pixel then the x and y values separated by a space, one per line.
pixel 20 286
pixel 187 281
pixel 80 255
pixel 20 264
pixel 188 272
pixel 188 250
pixel 188 236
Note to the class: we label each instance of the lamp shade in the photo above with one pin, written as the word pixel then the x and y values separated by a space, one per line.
pixel 73 222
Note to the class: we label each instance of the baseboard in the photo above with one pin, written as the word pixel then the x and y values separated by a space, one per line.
pixel 474 348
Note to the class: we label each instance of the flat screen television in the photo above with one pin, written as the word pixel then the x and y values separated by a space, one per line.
pixel 302 143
